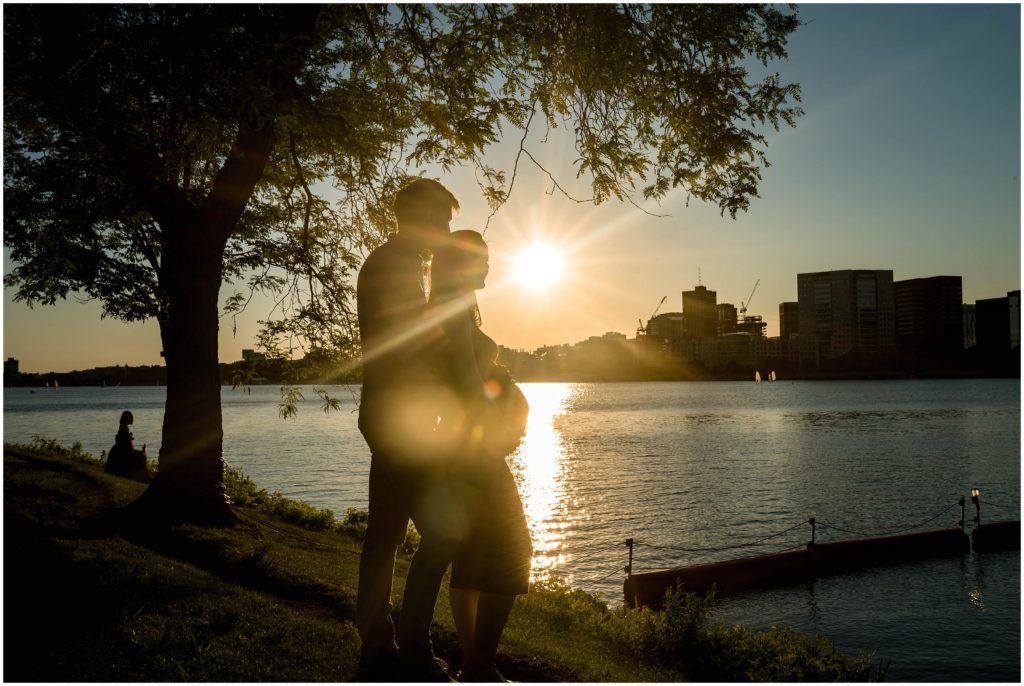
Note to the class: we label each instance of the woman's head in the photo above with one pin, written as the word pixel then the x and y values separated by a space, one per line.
pixel 461 262
pixel 127 418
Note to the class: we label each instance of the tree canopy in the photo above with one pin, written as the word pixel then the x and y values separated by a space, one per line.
pixel 155 152
pixel 118 115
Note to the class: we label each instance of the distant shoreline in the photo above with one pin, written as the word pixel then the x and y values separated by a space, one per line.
pixel 45 381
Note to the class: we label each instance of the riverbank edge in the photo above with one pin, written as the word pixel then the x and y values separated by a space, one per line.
pixel 270 600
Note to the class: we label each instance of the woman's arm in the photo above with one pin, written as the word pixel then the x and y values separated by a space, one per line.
pixel 458 326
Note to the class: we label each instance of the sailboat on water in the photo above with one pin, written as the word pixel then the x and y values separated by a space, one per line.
pixel 757 377
pixel 771 377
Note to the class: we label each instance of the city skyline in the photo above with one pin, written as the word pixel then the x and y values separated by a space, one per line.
pixel 958 337
pixel 908 158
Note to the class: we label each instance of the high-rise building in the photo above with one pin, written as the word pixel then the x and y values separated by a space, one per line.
pixel 970 325
pixel 1014 301
pixel 700 313
pixel 929 315
pixel 998 323
pixel 847 310
pixel 789 320
pixel 10 368
pixel 726 318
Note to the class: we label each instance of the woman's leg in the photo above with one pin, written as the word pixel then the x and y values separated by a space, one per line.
pixel 491 617
pixel 465 604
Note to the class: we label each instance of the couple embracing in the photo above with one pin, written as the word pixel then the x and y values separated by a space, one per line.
pixel 439 417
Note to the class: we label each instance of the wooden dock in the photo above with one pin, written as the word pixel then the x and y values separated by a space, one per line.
pixel 734 576
pixel 995 536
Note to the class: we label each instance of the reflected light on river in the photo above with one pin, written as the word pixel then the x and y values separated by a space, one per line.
pixel 539 467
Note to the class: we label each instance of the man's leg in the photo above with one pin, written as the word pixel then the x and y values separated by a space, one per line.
pixel 386 526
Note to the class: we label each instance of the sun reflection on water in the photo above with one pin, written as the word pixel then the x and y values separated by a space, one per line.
pixel 540 469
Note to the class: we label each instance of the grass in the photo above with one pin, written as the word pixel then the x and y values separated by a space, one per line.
pixel 273 600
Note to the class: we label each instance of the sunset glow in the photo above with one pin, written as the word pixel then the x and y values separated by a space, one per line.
pixel 538 267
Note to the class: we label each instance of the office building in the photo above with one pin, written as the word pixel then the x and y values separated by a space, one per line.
pixel 850 310
pixel 1014 301
pixel 789 320
pixel 668 326
pixel 970 321
pixel 929 315
pixel 997 326
pixel 700 313
pixel 726 319
pixel 10 368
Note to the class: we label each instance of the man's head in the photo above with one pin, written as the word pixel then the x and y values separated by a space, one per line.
pixel 425 206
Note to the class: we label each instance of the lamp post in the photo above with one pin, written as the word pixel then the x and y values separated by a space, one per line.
pixel 976 499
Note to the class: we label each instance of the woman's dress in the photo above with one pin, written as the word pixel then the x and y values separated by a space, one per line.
pixel 496 554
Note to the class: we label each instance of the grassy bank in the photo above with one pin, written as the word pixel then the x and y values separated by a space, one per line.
pixel 273 600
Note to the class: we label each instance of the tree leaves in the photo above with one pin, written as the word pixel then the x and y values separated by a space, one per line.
pixel 119 120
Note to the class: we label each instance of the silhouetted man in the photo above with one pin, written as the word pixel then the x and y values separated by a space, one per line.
pixel 397 417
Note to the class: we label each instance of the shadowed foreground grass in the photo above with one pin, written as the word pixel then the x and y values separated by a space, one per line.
pixel 273 599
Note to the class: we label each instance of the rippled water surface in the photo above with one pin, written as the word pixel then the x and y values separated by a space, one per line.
pixel 696 472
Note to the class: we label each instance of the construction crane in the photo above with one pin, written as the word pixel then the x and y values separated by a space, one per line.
pixel 642 330
pixel 745 305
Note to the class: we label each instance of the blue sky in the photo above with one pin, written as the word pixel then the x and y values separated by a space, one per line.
pixel 908 158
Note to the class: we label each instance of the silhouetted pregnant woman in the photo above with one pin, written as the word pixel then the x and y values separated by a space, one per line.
pixel 483 421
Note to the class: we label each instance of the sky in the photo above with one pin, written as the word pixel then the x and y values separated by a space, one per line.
pixel 907 158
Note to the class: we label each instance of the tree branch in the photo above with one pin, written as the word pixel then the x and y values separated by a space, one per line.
pixel 515 166
pixel 146 248
pixel 234 183
pixel 308 211
pixel 554 183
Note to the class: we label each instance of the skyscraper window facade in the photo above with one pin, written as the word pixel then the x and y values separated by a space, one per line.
pixel 847 310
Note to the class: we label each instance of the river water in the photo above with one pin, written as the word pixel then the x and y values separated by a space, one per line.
pixel 695 472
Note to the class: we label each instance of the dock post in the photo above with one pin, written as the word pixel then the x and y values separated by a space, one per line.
pixel 976 499
pixel 629 567
pixel 963 501
pixel 813 523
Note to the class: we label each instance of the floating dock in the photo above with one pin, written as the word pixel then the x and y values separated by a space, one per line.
pixel 995 536
pixel 734 576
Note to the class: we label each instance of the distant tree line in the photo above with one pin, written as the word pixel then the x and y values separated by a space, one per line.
pixel 150 375
pixel 234 373
pixel 612 361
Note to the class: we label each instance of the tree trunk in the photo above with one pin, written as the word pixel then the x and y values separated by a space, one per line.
pixel 189 485
pixel 190 478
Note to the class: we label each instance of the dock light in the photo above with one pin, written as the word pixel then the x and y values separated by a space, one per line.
pixel 975 493
pixel 976 499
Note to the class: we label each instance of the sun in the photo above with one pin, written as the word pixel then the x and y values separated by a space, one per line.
pixel 538 267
